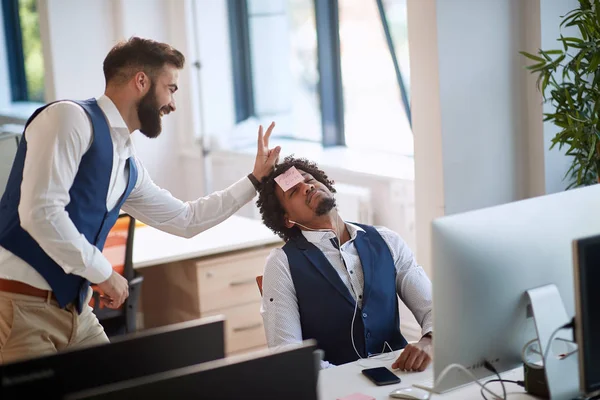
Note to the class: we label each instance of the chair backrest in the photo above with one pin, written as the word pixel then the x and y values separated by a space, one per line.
pixel 259 283
pixel 118 249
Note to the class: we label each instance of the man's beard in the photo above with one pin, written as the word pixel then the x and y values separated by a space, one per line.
pixel 325 205
pixel 149 114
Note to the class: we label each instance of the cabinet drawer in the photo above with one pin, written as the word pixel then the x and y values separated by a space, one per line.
pixel 243 327
pixel 230 281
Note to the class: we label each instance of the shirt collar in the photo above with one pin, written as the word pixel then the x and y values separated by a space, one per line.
pixel 113 116
pixel 121 135
pixel 319 236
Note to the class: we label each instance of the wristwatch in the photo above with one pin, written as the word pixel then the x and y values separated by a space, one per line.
pixel 254 181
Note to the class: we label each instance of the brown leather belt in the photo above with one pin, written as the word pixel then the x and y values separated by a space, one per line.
pixel 7 285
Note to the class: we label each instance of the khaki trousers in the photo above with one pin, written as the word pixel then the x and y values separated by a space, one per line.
pixel 33 326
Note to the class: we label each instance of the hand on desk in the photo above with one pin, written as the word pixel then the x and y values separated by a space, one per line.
pixel 415 357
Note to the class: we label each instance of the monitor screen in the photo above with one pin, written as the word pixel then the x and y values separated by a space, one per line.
pixel 128 356
pixel 289 374
pixel 485 261
pixel 587 272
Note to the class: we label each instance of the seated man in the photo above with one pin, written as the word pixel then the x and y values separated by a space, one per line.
pixel 315 288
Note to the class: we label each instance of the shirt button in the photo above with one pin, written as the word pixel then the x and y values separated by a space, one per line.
pixel 364 315
pixel 351 272
pixel 368 335
pixel 360 296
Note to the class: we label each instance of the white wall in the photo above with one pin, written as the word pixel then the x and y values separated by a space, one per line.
pixel 216 83
pixel 480 102
pixel 476 114
pixel 76 37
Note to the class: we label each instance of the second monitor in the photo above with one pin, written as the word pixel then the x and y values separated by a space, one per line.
pixel 485 261
pixel 290 374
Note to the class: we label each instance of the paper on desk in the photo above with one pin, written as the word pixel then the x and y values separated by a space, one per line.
pixel 289 179
pixel 356 396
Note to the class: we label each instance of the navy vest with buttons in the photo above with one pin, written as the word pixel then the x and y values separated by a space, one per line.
pixel 326 306
pixel 87 207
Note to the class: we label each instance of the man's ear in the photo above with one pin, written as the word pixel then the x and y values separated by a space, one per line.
pixel 142 81
pixel 287 222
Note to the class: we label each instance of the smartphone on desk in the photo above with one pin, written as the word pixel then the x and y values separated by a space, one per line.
pixel 381 376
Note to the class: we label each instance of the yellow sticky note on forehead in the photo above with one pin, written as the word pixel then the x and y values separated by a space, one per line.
pixel 289 179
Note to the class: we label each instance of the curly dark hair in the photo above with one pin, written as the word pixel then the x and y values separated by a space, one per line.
pixel 270 208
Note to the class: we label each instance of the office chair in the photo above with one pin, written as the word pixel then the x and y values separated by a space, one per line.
pixel 118 249
pixel 259 283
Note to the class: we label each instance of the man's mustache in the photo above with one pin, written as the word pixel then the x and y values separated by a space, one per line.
pixel 166 110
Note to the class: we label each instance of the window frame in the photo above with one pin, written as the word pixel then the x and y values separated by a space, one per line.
pixel 14 50
pixel 329 64
pixel 239 36
pixel 392 50
pixel 331 94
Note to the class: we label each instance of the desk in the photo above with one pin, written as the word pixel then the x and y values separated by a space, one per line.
pixel 154 247
pixel 209 274
pixel 346 379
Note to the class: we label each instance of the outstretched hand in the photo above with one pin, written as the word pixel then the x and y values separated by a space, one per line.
pixel 265 158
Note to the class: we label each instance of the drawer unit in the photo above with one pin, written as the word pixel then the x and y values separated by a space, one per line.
pixel 221 284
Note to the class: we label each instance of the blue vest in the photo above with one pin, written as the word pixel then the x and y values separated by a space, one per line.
pixel 87 208
pixel 326 305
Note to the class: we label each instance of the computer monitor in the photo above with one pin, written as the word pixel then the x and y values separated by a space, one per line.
pixel 267 375
pixel 587 312
pixel 128 356
pixel 483 263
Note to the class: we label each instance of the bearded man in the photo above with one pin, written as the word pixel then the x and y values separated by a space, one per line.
pixel 74 171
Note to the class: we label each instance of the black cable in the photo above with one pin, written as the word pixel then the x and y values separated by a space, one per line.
pixel 520 383
pixel 488 365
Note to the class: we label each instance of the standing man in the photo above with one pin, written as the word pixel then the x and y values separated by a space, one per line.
pixel 74 170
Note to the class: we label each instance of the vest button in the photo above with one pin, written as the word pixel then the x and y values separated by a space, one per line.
pixel 364 315
pixel 368 335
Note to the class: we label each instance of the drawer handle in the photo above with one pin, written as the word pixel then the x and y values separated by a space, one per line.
pixel 248 327
pixel 244 282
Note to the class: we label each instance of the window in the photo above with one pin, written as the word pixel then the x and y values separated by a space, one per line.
pixel 305 115
pixel 328 71
pixel 24 49
pixel 274 52
pixel 374 116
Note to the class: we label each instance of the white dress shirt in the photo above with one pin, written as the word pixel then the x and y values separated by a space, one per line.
pixel 279 306
pixel 57 139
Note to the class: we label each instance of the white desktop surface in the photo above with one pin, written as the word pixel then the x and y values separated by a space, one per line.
pixel 153 247
pixel 344 380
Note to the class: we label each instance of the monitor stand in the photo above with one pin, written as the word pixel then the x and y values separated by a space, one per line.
pixel 562 375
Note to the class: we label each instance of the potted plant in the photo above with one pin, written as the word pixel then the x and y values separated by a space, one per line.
pixel 569 78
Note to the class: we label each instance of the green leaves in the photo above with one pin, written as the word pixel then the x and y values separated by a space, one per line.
pixel 569 79
pixel 532 57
